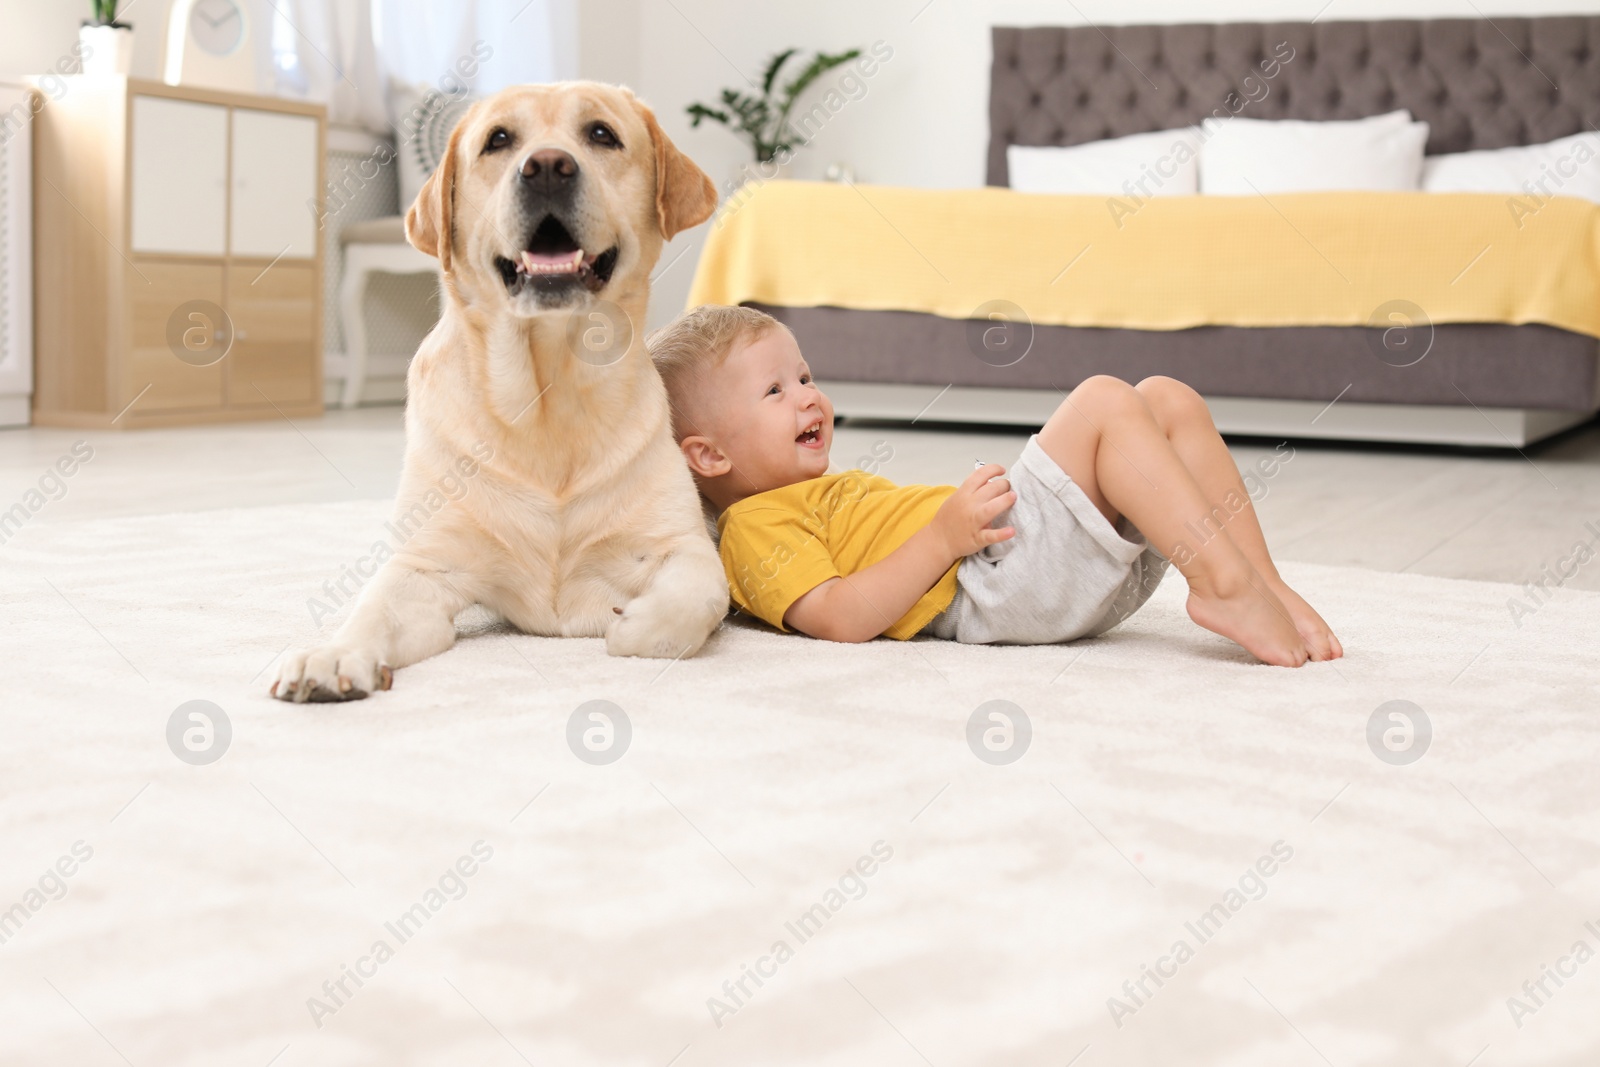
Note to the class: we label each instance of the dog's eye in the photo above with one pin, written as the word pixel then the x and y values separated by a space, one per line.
pixel 497 140
pixel 601 134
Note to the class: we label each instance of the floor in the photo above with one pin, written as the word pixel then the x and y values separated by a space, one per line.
pixel 1397 843
pixel 1492 515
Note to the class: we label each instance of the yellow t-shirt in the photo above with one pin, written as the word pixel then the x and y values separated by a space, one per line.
pixel 779 545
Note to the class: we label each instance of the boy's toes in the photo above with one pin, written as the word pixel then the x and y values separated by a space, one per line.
pixel 1292 657
pixel 1285 654
pixel 1323 644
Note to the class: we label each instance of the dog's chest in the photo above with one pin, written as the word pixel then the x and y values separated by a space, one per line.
pixel 568 562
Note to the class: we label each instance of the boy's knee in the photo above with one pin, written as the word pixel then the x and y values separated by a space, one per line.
pixel 1106 393
pixel 1170 398
pixel 1161 387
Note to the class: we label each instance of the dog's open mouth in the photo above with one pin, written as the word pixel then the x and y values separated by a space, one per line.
pixel 554 261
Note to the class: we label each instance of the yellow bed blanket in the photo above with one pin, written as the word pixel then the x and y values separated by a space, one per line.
pixel 1307 259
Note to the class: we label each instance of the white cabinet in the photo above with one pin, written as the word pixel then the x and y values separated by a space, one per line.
pixel 163 206
pixel 180 176
pixel 210 180
pixel 274 184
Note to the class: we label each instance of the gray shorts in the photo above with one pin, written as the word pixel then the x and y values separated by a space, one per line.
pixel 1068 573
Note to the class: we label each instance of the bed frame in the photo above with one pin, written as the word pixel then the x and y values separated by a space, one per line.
pixel 1478 83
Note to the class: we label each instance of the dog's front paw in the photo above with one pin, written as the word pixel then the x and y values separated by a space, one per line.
pixel 327 674
pixel 645 629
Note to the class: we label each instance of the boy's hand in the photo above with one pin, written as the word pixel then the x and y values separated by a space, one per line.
pixel 963 519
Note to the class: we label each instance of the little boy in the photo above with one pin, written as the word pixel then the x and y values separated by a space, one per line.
pixel 1121 480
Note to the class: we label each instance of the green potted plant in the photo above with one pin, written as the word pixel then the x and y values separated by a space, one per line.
pixel 764 120
pixel 107 45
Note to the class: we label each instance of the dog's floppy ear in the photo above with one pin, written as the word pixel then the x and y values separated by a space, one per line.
pixel 430 224
pixel 685 195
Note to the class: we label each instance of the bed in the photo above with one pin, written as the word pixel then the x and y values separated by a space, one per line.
pixel 1502 366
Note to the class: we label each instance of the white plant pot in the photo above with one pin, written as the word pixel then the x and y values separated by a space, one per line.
pixel 106 49
pixel 750 171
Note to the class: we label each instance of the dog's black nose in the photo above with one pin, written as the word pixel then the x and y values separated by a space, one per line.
pixel 549 169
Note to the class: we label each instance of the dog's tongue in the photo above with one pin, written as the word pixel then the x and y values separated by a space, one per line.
pixel 552 262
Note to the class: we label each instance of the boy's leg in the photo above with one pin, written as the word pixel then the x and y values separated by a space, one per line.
pixel 1107 439
pixel 1185 419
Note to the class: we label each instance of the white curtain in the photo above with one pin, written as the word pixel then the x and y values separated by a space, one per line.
pixel 323 51
pixel 352 54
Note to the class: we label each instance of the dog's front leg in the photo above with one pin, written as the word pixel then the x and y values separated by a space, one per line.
pixel 682 606
pixel 403 615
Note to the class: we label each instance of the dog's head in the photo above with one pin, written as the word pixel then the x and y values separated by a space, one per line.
pixel 552 195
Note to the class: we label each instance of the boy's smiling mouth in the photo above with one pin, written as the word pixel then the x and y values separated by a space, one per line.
pixel 812 436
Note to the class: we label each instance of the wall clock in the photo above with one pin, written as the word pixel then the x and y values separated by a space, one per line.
pixel 210 44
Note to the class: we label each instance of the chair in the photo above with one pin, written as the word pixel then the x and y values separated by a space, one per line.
pixel 375 246
pixel 379 246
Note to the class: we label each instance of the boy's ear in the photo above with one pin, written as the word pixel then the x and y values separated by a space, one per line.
pixel 704 458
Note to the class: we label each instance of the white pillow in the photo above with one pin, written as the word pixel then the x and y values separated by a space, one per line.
pixel 1241 157
pixel 423 118
pixel 1166 162
pixel 1567 167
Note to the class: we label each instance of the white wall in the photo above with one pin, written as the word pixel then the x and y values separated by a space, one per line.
pixel 609 40
pixel 924 118
pixel 34 34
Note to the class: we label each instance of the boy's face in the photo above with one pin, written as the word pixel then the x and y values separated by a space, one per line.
pixel 775 426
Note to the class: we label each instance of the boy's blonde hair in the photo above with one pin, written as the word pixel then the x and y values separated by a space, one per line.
pixel 694 346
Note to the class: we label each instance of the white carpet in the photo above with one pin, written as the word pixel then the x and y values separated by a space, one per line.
pixel 1017 900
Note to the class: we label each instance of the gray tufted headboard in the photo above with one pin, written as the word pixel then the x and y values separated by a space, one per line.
pixel 1479 83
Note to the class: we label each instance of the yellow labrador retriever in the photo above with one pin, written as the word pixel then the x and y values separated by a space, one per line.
pixel 540 476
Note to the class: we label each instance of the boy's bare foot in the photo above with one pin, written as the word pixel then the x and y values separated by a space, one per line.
pixel 1251 615
pixel 1318 635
